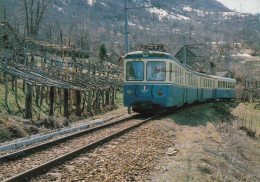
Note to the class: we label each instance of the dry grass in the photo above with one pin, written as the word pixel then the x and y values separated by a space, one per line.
pixel 212 150
pixel 249 116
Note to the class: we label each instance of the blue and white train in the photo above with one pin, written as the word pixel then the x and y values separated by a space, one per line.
pixel 158 80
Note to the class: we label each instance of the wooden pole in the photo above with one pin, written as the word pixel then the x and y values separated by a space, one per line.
pixel 29 102
pixel 78 101
pixel 89 101
pixel 66 103
pixel 52 91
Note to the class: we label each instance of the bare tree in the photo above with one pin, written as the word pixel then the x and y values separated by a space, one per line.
pixel 34 14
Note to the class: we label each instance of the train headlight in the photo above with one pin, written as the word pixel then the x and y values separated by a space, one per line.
pixel 129 92
pixel 160 92
pixel 146 53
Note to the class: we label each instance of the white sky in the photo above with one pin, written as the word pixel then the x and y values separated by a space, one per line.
pixel 246 6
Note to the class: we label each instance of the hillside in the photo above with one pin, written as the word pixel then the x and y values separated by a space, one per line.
pixel 102 21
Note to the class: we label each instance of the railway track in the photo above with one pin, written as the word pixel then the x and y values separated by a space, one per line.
pixel 17 154
pixel 30 162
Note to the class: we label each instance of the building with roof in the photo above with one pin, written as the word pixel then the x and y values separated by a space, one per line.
pixel 198 59
pixel 113 58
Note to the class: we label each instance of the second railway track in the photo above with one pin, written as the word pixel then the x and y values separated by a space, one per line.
pixel 36 163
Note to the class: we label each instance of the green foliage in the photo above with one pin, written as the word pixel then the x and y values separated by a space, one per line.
pixel 119 98
pixel 102 52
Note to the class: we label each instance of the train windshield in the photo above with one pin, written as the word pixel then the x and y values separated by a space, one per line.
pixel 135 71
pixel 156 71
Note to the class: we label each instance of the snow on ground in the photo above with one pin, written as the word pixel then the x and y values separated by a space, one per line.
pixel 164 14
pixel 91 2
pixel 131 23
pixel 58 8
pixel 189 9
pixel 245 55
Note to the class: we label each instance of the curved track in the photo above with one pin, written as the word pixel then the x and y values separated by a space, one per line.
pixel 78 143
pixel 30 150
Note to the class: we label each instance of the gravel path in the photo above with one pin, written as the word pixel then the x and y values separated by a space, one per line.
pixel 112 119
pixel 130 157
pixel 12 168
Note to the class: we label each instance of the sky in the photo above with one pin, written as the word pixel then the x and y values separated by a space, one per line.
pixel 245 6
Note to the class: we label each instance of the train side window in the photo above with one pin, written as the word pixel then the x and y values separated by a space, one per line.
pixel 187 79
pixel 178 75
pixel 170 77
pixel 182 75
pixel 134 71
pixel 156 71
pixel 175 73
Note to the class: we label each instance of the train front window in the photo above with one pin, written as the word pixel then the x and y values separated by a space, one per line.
pixel 135 71
pixel 156 71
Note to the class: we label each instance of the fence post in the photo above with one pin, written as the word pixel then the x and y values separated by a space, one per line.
pixel 89 101
pixel 113 96
pixel 29 102
pixel 52 90
pixel 66 103
pixel 78 101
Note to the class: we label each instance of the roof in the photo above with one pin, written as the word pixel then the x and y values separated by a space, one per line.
pixel 222 73
pixel 198 51
pixel 152 54
pixel 195 51
pixel 109 54
pixel 223 78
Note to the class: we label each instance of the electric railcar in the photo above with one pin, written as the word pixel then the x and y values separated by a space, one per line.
pixel 158 80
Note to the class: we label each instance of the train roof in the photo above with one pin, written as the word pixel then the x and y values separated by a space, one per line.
pixel 152 54
pixel 223 78
pixel 164 55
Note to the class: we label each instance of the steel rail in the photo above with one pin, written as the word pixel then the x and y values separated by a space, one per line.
pixel 27 175
pixel 25 152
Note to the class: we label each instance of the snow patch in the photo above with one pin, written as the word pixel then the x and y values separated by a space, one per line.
pixel 91 2
pixel 58 8
pixel 131 24
pixel 164 14
pixel 241 55
pixel 230 13
pixel 187 8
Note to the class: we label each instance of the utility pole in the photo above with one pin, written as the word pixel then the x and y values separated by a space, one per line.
pixel 126 28
pixel 184 48
pixel 126 23
pixel 228 74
